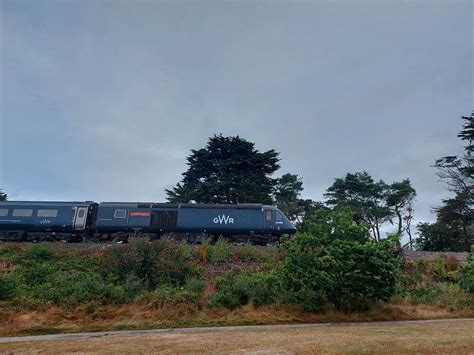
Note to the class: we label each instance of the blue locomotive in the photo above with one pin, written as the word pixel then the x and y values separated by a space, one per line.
pixel 76 221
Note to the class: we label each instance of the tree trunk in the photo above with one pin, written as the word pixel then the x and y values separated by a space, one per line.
pixel 399 215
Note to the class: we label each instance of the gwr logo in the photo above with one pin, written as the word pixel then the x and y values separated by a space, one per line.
pixel 223 219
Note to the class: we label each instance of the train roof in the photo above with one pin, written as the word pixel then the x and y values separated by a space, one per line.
pixel 46 203
pixel 247 206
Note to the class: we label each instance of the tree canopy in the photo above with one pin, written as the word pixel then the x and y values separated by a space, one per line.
pixel 374 202
pixel 455 216
pixel 3 196
pixel 227 170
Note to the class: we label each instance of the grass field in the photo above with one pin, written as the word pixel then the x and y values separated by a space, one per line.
pixel 422 338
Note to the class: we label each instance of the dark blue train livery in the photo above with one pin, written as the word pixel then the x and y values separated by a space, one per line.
pixel 75 221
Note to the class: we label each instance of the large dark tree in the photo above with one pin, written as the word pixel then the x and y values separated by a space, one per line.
pixel 227 170
pixel 287 195
pixel 3 196
pixel 456 214
pixel 374 202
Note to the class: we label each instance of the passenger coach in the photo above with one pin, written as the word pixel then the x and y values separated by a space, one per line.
pixel 118 220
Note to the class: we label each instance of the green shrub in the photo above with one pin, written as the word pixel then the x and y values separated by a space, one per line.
pixel 39 252
pixel 238 290
pixel 340 266
pixel 161 262
pixel 74 287
pixel 170 296
pixel 9 284
pixel 195 286
pixel 220 252
pixel 466 277
pixel 246 252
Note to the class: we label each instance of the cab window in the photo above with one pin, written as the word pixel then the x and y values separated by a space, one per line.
pixel 278 217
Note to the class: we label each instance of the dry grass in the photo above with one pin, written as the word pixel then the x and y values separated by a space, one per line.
pixel 135 316
pixel 427 338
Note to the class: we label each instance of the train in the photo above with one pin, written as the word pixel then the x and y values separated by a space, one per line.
pixel 118 221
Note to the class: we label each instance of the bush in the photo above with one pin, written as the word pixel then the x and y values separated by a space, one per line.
pixel 162 262
pixel 246 252
pixel 466 279
pixel 220 252
pixel 9 284
pixel 39 252
pixel 238 290
pixel 340 266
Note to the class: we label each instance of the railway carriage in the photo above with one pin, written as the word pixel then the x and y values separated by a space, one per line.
pixel 255 223
pixel 26 220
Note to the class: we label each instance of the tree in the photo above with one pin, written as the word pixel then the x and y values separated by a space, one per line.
pixel 457 172
pixel 287 195
pixel 336 262
pixel 439 236
pixel 3 196
pixel 399 197
pixel 227 170
pixel 373 202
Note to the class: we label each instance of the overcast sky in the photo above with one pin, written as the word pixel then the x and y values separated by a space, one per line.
pixel 102 100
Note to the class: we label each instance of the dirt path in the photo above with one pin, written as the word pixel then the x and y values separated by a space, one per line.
pixel 423 336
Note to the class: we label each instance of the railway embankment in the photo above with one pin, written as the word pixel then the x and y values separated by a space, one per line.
pixel 59 287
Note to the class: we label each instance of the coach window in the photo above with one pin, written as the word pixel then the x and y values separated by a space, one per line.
pixel 120 213
pixel 268 215
pixel 80 214
pixel 3 212
pixel 47 213
pixel 22 212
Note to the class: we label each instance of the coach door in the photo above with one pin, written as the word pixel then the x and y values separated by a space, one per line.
pixel 80 218
pixel 269 217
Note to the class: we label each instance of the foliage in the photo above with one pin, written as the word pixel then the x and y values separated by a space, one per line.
pixel 335 262
pixel 439 236
pixel 458 174
pixel 466 280
pixel 373 202
pixel 331 224
pixel 8 286
pixel 220 252
pixel 238 290
pixel 162 262
pixel 3 195
pixel 227 170
pixel 245 252
pixel 287 196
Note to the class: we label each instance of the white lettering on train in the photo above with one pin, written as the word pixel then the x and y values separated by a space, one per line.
pixel 223 219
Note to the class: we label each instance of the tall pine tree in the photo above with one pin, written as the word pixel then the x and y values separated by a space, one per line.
pixel 227 170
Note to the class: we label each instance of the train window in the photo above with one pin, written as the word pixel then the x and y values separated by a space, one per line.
pixel 23 212
pixel 120 213
pixel 268 215
pixel 80 214
pixel 3 212
pixel 47 213
pixel 279 217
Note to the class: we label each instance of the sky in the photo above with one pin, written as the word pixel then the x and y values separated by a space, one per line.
pixel 103 100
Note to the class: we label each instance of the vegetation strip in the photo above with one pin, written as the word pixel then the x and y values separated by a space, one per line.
pixel 122 333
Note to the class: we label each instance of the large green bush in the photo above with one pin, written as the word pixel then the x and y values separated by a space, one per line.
pixel 162 262
pixel 239 289
pixel 466 279
pixel 336 262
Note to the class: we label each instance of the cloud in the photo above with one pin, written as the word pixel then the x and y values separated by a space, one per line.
pixel 103 100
